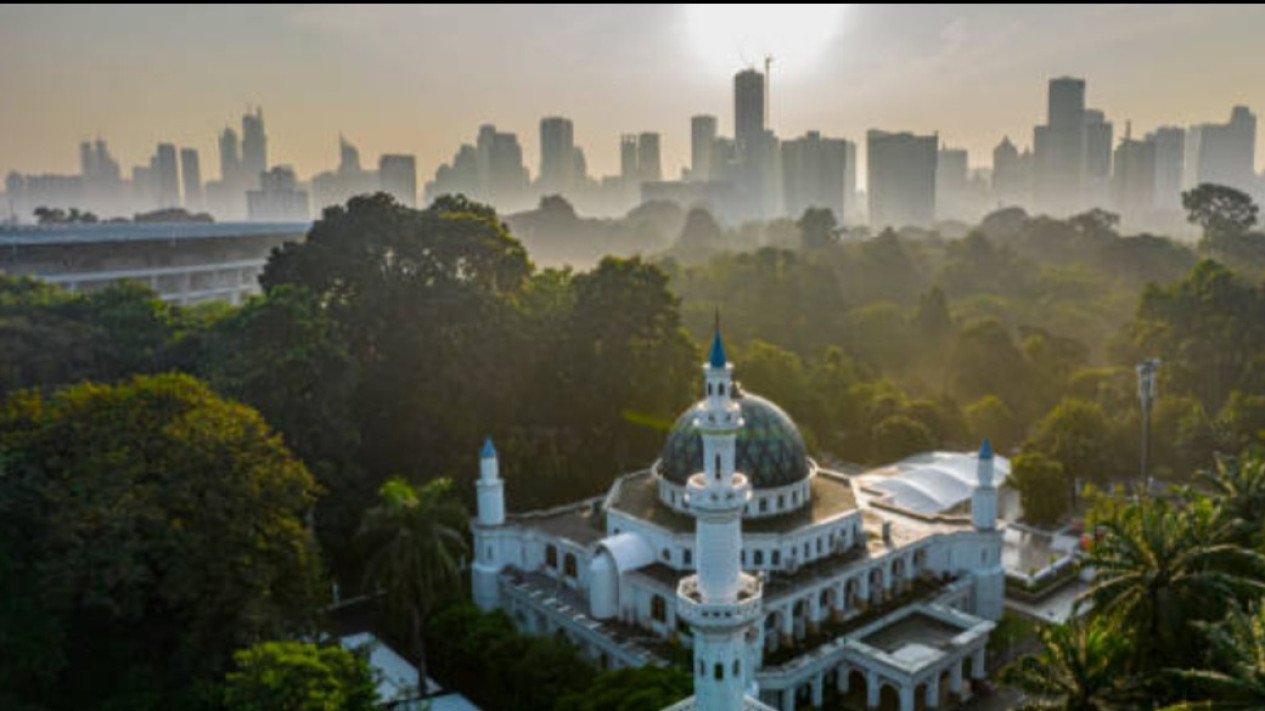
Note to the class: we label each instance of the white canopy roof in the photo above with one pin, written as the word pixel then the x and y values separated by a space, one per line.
pixel 936 481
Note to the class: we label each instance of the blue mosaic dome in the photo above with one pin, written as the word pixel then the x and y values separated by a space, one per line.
pixel 769 449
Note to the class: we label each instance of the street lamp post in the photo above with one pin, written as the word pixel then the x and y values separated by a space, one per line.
pixel 1146 396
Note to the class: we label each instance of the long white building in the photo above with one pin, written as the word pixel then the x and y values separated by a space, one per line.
pixel 789 582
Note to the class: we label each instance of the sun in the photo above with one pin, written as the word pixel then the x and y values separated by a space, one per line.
pixel 729 37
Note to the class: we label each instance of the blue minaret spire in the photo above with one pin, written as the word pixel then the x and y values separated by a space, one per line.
pixel 717 358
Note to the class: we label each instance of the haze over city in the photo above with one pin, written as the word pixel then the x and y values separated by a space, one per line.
pixel 420 79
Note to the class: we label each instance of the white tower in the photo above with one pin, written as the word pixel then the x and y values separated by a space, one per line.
pixel 990 578
pixel 720 602
pixel 487 560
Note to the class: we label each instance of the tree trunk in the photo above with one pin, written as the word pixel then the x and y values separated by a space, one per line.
pixel 419 651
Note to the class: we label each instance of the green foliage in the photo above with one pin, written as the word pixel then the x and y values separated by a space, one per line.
pixel 415 542
pixel 151 528
pixel 50 337
pixel 1045 491
pixel 1078 435
pixel 1160 569
pixel 817 227
pixel 899 436
pixel 299 676
pixel 489 662
pixel 1078 669
pixel 1220 210
pixel 638 689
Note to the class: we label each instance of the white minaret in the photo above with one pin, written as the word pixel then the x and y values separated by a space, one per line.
pixel 990 578
pixel 487 561
pixel 720 602
pixel 984 498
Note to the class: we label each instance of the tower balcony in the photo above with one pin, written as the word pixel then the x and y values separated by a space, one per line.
pixel 695 611
pixel 706 496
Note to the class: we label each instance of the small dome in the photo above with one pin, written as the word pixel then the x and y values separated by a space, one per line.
pixel 769 449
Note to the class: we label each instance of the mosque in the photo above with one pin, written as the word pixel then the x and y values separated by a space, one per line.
pixel 785 582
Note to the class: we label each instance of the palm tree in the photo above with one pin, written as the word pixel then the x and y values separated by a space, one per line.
pixel 1157 568
pixel 1079 668
pixel 1238 645
pixel 415 542
pixel 1238 488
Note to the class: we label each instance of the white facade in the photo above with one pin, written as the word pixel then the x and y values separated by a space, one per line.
pixel 828 593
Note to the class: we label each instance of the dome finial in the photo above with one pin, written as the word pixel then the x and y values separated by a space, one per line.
pixel 488 450
pixel 986 449
pixel 717 359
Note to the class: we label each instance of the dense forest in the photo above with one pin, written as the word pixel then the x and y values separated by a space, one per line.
pixel 159 465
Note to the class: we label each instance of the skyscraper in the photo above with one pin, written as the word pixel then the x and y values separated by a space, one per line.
pixel 749 108
pixel 1170 162
pixel 278 197
pixel 166 176
pixel 254 147
pixel 902 179
pixel 1009 181
pixel 230 160
pixel 702 140
pixel 1133 184
pixel 1060 148
pixel 398 177
pixel 557 155
pixel 628 159
pixel 814 174
pixel 952 184
pixel 1099 136
pixel 1224 153
pixel 649 169
pixel 191 171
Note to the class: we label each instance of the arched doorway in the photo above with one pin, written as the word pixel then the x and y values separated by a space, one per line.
pixel 772 631
pixel 888 697
pixel 857 695
pixel 799 617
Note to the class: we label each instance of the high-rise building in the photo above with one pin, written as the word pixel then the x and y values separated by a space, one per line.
pixel 1224 154
pixel 557 155
pixel 398 176
pixel 278 198
pixel 1099 137
pixel 1170 162
pixel 649 169
pixel 952 184
pixel 348 157
pixel 702 139
pixel 1010 184
pixel 254 147
pixel 902 179
pixel 749 106
pixel 1060 148
pixel 191 172
pixel 628 159
pixel 1133 184
pixel 814 173
pixel 166 176
pixel 230 159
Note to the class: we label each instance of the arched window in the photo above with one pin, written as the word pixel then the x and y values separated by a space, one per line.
pixel 569 566
pixel 702 668
pixel 658 609
pixel 718 671
pixel 781 501
pixel 717 467
pixel 551 556
pixel 667 554
pixel 764 505
pixel 688 556
pixel 777 558
pixel 709 388
pixel 759 557
pixel 722 388
pixel 737 669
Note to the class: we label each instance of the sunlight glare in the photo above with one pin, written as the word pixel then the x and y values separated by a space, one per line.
pixel 730 37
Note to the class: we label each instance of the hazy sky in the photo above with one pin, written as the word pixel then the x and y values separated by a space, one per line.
pixel 420 79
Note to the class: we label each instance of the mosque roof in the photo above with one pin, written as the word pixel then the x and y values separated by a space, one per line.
pixel 769 449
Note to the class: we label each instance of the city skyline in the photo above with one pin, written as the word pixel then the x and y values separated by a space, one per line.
pixel 971 75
